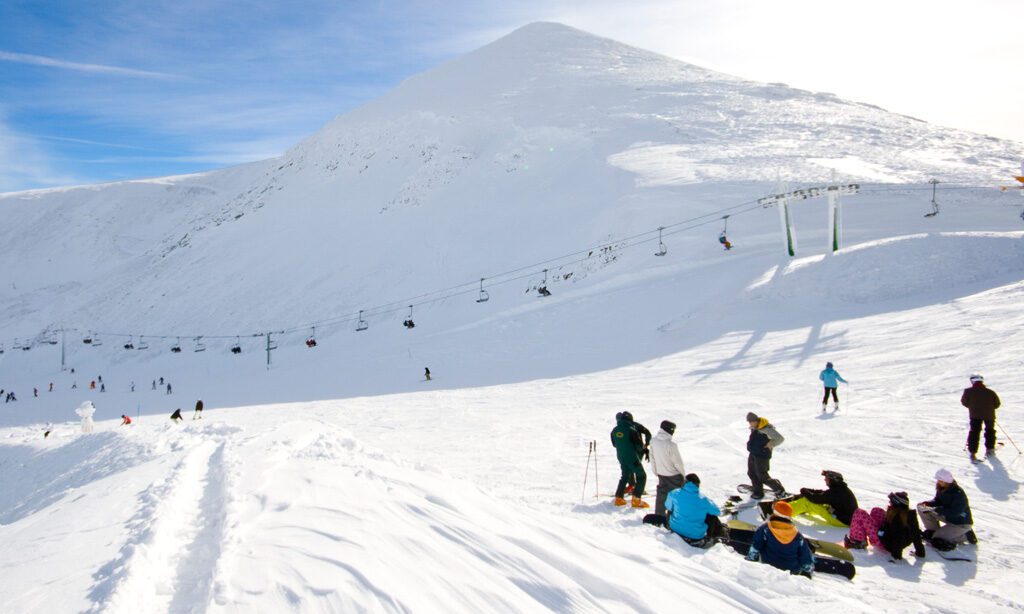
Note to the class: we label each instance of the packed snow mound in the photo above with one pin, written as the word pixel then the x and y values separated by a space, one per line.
pixel 928 266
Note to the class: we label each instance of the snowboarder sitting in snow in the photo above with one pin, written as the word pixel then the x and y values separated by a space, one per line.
pixel 125 420
pixel 831 378
pixel 628 447
pixel 763 439
pixel 950 506
pixel 176 416
pixel 693 516
pixel 833 506
pixel 778 543
pixel 982 403
pixel 892 529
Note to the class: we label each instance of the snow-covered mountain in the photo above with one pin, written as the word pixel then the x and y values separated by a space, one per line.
pixel 548 149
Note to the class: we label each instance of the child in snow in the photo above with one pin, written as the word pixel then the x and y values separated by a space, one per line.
pixel 891 530
pixel 947 518
pixel 125 420
pixel 176 416
pixel 778 543
pixel 831 378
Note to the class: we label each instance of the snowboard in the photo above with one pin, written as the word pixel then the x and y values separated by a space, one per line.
pixel 951 555
pixel 747 489
pixel 818 547
pixel 740 540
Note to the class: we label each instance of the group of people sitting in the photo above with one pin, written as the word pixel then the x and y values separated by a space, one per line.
pixel 682 507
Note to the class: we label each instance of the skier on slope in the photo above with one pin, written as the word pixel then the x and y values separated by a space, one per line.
pixel 693 516
pixel 833 506
pixel 779 543
pixel 667 464
pixel 830 378
pixel 763 439
pixel 947 518
pixel 628 448
pixel 982 404
pixel 891 529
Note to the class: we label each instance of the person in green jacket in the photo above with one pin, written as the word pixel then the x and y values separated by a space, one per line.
pixel 628 447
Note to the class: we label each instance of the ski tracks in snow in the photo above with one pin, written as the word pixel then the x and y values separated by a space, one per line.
pixel 175 536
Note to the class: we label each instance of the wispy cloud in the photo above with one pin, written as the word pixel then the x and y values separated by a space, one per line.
pixel 38 60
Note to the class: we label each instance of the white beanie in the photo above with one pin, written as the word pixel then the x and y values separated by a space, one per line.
pixel 944 475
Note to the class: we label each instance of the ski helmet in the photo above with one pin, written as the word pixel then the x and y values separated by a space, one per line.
pixel 977 378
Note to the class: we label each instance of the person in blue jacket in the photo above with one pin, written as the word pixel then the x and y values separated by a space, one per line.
pixel 831 378
pixel 692 515
pixel 779 543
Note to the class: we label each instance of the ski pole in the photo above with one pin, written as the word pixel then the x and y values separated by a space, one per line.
pixel 586 472
pixel 1008 437
pixel 596 492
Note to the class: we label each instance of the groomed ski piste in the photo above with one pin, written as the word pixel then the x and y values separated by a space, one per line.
pixel 339 480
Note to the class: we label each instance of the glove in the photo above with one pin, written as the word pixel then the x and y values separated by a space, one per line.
pixel 804 491
pixel 753 554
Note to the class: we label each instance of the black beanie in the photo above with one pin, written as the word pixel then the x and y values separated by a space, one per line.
pixel 692 477
pixel 668 427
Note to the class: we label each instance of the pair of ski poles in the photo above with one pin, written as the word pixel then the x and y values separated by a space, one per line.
pixel 591 451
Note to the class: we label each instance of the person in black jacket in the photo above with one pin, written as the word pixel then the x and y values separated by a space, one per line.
pixel 763 438
pixel 982 404
pixel 947 518
pixel 833 506
pixel 891 529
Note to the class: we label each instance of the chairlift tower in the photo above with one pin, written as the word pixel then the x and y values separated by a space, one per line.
pixel 831 192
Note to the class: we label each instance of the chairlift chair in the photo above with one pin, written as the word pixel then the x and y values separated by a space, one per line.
pixel 484 297
pixel 143 344
pixel 1 348
pixel 723 238
pixel 17 344
pixel 542 290
pixel 408 320
pixel 361 324
pixel 200 346
pixel 52 339
pixel 311 341
pixel 129 345
pixel 97 341
pixel 237 347
pixel 662 250
pixel 176 348
pixel 87 339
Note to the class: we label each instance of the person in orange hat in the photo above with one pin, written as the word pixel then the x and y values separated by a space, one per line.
pixel 778 543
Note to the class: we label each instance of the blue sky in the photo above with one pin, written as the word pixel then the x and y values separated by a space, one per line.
pixel 102 90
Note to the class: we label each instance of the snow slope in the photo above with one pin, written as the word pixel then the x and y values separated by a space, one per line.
pixel 338 480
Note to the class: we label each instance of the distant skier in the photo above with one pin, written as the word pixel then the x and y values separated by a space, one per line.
pixel 131 387
pixel 35 392
pixel 74 385
pixel 176 416
pixel 831 378
pixel 982 403
pixel 154 384
pixel 99 378
pixel 779 543
pixel 628 449
pixel 950 509
pixel 426 372
pixel 763 439
pixel 47 430
pixel 51 386
pixel 161 381
pixel 667 464
pixel 92 385
pixel 168 388
pixel 103 387
pixel 125 420
pixel 198 415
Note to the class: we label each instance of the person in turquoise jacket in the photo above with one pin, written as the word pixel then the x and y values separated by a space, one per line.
pixel 831 378
pixel 692 515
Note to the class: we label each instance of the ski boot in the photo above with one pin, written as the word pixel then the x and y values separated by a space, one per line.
pixel 640 503
pixel 619 501
pixel 824 407
pixel 971 537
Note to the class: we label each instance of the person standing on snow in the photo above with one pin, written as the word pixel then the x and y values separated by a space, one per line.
pixel 950 506
pixel 693 516
pixel 198 415
pixel 763 439
pixel 982 404
pixel 667 464
pixel 831 378
pixel 628 447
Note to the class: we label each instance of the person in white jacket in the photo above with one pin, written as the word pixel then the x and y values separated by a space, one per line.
pixel 667 464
